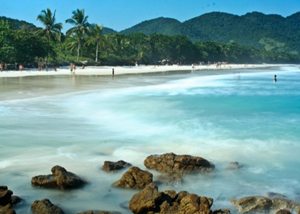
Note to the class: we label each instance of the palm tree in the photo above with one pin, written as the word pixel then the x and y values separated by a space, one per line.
pixel 52 30
pixel 95 36
pixel 81 27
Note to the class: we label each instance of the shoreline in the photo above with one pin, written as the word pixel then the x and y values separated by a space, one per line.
pixel 121 70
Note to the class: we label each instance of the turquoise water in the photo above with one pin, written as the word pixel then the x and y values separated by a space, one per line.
pixel 243 117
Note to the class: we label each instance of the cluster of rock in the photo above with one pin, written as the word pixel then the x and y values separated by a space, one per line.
pixel 172 167
pixel 149 200
pixel 7 200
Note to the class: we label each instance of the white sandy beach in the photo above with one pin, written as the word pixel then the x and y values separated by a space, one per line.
pixel 119 70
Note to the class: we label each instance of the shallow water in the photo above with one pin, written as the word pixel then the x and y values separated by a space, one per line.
pixel 79 122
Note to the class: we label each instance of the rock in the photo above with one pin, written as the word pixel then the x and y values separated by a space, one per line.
pixel 98 212
pixel 283 212
pixel 252 204
pixel 60 178
pixel 171 163
pixel 150 201
pixel 279 204
pixel 134 178
pixel 234 165
pixel 7 200
pixel 7 209
pixel 221 211
pixel 45 207
pixel 5 195
pixel 263 204
pixel 113 166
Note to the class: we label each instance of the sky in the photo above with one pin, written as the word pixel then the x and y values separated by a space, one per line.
pixel 122 14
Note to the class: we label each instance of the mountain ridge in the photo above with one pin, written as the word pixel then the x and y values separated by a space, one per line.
pixel 271 32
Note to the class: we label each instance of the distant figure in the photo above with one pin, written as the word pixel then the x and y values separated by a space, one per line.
pixel 275 78
pixel 20 67
pixel 54 68
pixel 82 67
pixel 1 67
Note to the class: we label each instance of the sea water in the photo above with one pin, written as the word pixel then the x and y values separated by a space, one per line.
pixel 79 122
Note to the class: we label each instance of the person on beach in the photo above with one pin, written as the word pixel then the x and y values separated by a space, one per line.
pixel 1 66
pixel 275 78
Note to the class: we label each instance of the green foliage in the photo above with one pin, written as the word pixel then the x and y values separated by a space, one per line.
pixel 52 30
pixel 252 29
pixel 252 38
pixel 81 27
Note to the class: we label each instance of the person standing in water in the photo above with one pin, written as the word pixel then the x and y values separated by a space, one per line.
pixel 275 78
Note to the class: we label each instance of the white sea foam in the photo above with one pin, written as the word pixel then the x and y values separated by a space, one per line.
pixel 250 120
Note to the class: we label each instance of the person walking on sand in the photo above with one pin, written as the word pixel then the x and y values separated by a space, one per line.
pixel 1 66
pixel 275 78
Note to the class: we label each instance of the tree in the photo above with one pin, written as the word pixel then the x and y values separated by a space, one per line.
pixel 52 30
pixel 95 36
pixel 80 29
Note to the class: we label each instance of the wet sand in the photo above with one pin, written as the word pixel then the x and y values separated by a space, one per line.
pixel 118 70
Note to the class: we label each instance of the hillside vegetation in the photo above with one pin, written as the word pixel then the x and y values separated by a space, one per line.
pixel 212 37
pixel 272 32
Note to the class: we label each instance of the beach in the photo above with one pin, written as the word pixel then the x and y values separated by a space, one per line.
pixel 80 121
pixel 142 69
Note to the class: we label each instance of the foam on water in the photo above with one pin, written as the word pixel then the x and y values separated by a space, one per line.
pixel 236 117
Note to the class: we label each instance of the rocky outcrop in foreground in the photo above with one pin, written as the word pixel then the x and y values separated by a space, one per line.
pixel 255 204
pixel 134 178
pixel 110 166
pixel 45 207
pixel 150 201
pixel 7 200
pixel 171 163
pixel 60 179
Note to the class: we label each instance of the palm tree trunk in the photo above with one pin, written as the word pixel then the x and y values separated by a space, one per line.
pixel 97 50
pixel 78 51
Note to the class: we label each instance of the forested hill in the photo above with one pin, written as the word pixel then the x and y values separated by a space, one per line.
pixel 17 24
pixel 161 25
pixel 272 32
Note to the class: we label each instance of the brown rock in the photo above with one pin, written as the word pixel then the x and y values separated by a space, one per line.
pixel 221 211
pixel 45 207
pixel 7 209
pixel 60 178
pixel 6 200
pixel 260 204
pixel 279 204
pixel 283 212
pixel 171 163
pixel 150 201
pixel 5 195
pixel 134 178
pixel 252 204
pixel 110 166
